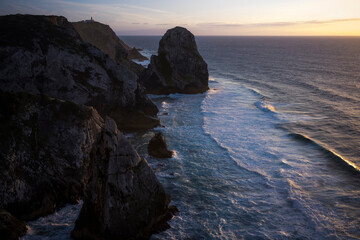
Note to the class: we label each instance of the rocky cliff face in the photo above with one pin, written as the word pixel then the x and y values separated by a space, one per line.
pixel 44 54
pixel 178 67
pixel 104 38
pixel 44 152
pixel 124 199
pixel 52 148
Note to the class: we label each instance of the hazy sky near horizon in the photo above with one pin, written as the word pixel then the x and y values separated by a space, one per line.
pixel 206 17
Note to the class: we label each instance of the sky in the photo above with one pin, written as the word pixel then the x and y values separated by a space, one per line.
pixel 206 17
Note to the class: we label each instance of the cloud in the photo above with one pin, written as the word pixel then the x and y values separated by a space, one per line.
pixel 275 24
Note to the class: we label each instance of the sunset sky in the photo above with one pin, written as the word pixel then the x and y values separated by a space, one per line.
pixel 206 17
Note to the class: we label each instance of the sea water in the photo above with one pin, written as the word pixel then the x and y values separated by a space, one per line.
pixel 271 151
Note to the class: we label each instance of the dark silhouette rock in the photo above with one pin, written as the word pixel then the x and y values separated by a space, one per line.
pixel 124 199
pixel 157 147
pixel 178 68
pixel 44 152
pixel 11 228
pixel 104 38
pixel 51 149
pixel 44 54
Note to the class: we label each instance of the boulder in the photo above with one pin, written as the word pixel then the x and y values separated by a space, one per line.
pixel 157 147
pixel 124 199
pixel 44 152
pixel 178 67
pixel 104 38
pixel 45 55
pixel 11 228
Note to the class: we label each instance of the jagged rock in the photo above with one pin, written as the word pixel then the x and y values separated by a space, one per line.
pixel 44 152
pixel 104 38
pixel 124 199
pixel 44 54
pixel 157 147
pixel 11 228
pixel 178 67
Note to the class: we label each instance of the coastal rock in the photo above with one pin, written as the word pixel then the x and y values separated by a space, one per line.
pixel 124 199
pixel 44 54
pixel 44 152
pixel 157 147
pixel 11 228
pixel 178 67
pixel 104 38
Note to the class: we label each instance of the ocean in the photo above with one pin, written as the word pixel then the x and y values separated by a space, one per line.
pixel 271 151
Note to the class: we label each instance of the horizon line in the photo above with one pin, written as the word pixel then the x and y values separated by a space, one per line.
pixel 203 35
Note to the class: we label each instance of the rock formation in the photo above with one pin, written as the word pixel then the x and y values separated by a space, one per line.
pixel 11 228
pixel 44 152
pixel 124 199
pixel 157 147
pixel 178 67
pixel 52 149
pixel 44 54
pixel 104 38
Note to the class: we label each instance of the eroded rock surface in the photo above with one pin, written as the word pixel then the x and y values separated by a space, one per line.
pixel 44 152
pixel 124 199
pixel 44 54
pixel 178 67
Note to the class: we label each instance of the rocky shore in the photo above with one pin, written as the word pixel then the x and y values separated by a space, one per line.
pixel 66 97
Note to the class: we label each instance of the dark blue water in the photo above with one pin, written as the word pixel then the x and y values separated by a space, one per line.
pixel 272 151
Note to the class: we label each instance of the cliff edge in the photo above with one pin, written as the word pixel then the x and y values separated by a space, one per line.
pixel 104 38
pixel 45 54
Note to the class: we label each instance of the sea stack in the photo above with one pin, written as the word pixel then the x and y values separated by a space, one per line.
pixel 157 147
pixel 178 67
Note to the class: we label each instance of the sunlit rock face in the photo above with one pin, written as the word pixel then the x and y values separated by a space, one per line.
pixel 178 67
pixel 104 38
pixel 44 54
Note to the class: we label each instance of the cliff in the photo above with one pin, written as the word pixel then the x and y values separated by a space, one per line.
pixel 104 38
pixel 44 152
pixel 51 149
pixel 178 67
pixel 44 54
pixel 124 199
pixel 55 88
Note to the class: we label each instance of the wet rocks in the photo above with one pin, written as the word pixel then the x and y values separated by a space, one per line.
pixel 124 199
pixel 157 147
pixel 178 67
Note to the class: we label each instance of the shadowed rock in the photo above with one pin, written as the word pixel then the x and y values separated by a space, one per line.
pixel 44 152
pixel 178 68
pixel 11 228
pixel 44 54
pixel 124 199
pixel 157 147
